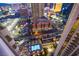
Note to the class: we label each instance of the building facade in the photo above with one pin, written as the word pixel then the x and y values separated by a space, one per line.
pixel 68 33
pixel 37 10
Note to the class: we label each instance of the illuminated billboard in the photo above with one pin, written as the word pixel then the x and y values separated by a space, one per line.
pixel 57 7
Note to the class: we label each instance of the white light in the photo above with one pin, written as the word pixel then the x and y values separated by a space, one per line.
pixel 50 50
pixel 63 8
pixel 13 31
pixel 57 42
pixel 57 18
pixel 61 20
pixel 21 42
pixel 54 16
pixel 10 27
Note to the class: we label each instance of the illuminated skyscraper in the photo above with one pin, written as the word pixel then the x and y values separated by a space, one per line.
pixel 68 42
pixel 73 44
pixel 37 10
pixel 57 7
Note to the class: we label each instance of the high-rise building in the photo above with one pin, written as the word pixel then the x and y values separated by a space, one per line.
pixel 15 6
pixel 43 36
pixel 6 36
pixel 68 43
pixel 73 44
pixel 37 10
pixel 23 10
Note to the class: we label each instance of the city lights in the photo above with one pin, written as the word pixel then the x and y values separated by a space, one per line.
pixel 35 29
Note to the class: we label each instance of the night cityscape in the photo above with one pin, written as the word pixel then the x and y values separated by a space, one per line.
pixel 39 29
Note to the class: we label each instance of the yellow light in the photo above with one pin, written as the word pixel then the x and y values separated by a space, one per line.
pixel 50 50
pixel 49 14
pixel 57 7
pixel 16 27
pixel 36 33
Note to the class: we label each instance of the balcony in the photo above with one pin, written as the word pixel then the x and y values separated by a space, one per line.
pixel 75 41
pixel 71 47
